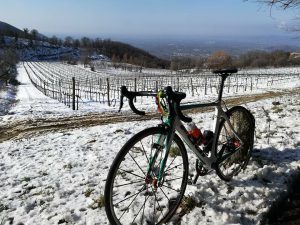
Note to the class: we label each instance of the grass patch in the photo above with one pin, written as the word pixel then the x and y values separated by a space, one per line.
pixel 3 207
pixel 88 192
pixel 26 179
pixel 277 109
pixel 118 131
pixel 68 166
pixel 174 151
pixel 98 202
pixel 188 203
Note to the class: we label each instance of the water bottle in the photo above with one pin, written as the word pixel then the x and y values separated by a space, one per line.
pixel 194 133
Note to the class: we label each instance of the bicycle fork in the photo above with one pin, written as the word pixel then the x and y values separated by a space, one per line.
pixel 164 141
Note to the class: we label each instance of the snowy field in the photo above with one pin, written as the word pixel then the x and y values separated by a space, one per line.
pixel 58 178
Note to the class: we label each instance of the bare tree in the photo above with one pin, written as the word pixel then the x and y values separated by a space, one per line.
pixel 26 32
pixel 34 33
pixel 68 41
pixel 285 4
pixel 53 40
pixel 219 60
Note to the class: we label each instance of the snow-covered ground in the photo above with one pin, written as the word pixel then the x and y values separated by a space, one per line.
pixel 59 177
pixel 7 98
pixel 34 104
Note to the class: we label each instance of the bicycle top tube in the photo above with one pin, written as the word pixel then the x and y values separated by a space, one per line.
pixel 199 105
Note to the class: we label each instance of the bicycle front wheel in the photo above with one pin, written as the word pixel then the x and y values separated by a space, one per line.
pixel 228 144
pixel 130 197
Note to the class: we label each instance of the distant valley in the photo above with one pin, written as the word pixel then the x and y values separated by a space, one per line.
pixel 205 46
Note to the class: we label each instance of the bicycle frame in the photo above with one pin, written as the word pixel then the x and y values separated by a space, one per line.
pixel 174 124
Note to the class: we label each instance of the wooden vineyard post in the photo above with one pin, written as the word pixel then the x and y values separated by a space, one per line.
pixel 108 91
pixel 192 87
pixel 73 93
pixel 53 89
pixel 135 88
pixel 205 88
pixel 228 90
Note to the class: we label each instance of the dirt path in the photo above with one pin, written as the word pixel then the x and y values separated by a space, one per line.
pixel 16 130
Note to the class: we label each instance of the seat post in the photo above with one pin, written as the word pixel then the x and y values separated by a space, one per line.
pixel 224 73
pixel 224 76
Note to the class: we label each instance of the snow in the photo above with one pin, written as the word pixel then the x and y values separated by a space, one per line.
pixel 42 50
pixel 7 98
pixel 45 178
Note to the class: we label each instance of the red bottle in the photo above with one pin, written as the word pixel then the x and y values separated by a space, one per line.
pixel 195 133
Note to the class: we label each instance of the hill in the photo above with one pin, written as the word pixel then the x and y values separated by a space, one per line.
pixel 31 45
pixel 9 30
pixel 122 52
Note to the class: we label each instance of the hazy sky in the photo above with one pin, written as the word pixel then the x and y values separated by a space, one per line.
pixel 144 18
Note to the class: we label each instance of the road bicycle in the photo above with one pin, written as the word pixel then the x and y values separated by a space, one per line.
pixel 147 179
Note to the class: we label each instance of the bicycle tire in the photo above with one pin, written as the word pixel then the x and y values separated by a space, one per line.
pixel 113 209
pixel 244 125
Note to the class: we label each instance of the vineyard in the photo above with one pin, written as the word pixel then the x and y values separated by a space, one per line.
pixel 76 86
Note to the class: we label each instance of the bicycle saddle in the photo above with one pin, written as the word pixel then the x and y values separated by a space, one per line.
pixel 225 71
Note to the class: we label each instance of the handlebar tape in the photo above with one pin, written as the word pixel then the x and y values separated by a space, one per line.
pixel 130 96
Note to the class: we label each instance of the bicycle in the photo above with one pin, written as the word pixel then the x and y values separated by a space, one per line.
pixel 147 179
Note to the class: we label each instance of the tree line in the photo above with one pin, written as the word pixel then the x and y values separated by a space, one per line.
pixel 117 51
pixel 8 61
pixel 251 59
pixel 120 52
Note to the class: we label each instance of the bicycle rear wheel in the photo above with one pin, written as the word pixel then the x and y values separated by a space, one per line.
pixel 129 197
pixel 244 125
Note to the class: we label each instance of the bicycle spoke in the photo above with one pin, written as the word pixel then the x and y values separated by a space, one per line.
pixel 164 193
pixel 143 207
pixel 135 182
pixel 145 152
pixel 131 173
pixel 155 197
pixel 174 167
pixel 129 197
pixel 170 188
pixel 129 204
pixel 137 164
pixel 171 163
pixel 174 179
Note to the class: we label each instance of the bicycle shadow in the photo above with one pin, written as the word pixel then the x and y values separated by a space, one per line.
pixel 247 198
